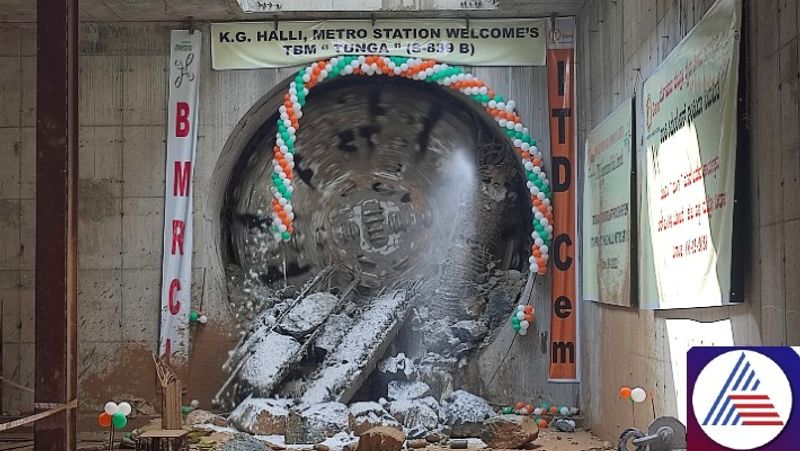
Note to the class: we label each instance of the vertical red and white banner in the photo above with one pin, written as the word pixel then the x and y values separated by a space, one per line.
pixel 176 279
pixel 564 294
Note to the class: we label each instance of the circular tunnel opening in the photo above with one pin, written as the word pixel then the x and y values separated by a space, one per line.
pixel 395 178
pixel 397 182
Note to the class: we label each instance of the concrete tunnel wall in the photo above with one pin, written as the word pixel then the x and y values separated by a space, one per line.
pixel 123 120
pixel 123 92
pixel 620 44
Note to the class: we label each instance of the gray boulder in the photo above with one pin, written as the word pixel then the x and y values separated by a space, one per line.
pixel 465 413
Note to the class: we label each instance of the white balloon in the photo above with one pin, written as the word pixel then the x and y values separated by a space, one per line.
pixel 195 404
pixel 638 394
pixel 565 411
pixel 202 319
pixel 110 408
pixel 523 411
pixel 537 411
pixel 125 408
pixel 524 324
pixel 520 315
pixel 521 308
pixel 523 331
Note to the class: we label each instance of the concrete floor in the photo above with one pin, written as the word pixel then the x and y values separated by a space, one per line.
pixel 580 440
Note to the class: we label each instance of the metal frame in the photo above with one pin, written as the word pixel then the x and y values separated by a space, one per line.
pixel 56 221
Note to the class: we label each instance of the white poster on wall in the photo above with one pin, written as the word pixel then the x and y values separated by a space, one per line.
pixel 690 136
pixel 607 212
pixel 176 280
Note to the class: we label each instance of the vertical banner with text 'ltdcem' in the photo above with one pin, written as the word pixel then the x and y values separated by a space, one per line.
pixel 561 99
pixel 176 279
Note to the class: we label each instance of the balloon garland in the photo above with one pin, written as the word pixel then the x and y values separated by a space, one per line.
pixel 430 71
pixel 521 318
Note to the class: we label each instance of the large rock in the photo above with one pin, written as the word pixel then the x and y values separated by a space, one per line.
pixel 368 415
pixel 272 357
pixel 314 423
pixel 419 415
pixel 405 390
pixel 465 413
pixel 261 416
pixel 381 439
pixel 509 431
pixel 308 314
pixel 197 417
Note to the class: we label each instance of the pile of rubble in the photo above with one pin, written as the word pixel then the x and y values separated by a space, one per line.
pixel 304 372
pixel 410 417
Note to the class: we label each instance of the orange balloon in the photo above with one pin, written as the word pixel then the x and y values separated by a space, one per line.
pixel 104 420
pixel 529 407
pixel 528 309
pixel 625 392
pixel 553 410
pixel 519 406
pixel 542 423
pixel 529 317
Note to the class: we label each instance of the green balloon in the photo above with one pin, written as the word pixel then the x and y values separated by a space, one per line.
pixel 186 409
pixel 516 327
pixel 118 420
pixel 546 405
pixel 508 410
pixel 515 320
pixel 193 316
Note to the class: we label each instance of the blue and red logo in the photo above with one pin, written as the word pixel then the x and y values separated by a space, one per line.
pixel 742 398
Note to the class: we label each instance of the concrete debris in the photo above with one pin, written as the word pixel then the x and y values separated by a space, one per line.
pixel 314 423
pixel 321 447
pixel 340 441
pixel 332 332
pixel 416 432
pixel 399 365
pixel 465 413
pixel 196 417
pixel 381 439
pixel 509 431
pixel 308 314
pixel 368 415
pixel 435 437
pixel 564 425
pixel 468 331
pixel 417 443
pixel 343 371
pixel 419 415
pixel 271 359
pixel 243 442
pixel 401 390
pixel 261 416
pixel 437 371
